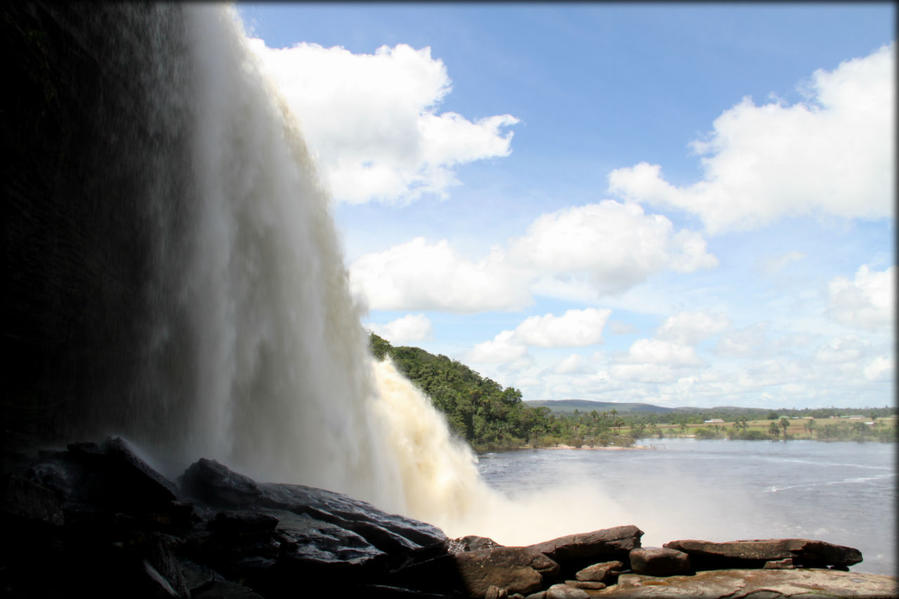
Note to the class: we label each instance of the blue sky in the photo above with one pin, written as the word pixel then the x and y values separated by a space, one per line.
pixel 676 204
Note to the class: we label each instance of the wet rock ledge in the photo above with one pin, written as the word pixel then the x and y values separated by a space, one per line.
pixel 96 520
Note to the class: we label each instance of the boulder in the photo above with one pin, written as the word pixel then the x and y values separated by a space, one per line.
pixel 495 592
pixel 588 585
pixel 564 591
pixel 574 552
pixel 216 485
pixel 758 584
pixel 806 553
pixel 659 561
pixel 471 543
pixel 515 569
pixel 601 572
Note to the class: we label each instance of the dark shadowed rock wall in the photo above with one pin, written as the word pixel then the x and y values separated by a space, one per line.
pixel 95 131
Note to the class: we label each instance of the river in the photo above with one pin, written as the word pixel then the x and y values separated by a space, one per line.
pixel 841 492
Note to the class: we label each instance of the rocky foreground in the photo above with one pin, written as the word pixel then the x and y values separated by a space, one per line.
pixel 96 520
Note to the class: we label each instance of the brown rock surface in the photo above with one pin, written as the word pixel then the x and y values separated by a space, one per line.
pixel 807 553
pixel 659 561
pixel 589 585
pixel 573 552
pixel 601 572
pixel 758 584
pixel 515 569
pixel 564 591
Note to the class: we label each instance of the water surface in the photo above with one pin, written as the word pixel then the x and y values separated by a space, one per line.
pixel 720 490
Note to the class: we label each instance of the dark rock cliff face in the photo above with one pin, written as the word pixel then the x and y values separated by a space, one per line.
pixel 94 178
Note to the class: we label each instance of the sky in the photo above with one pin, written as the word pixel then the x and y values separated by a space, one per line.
pixel 677 204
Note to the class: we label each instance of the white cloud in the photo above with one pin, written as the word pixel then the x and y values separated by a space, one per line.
pixel 743 342
pixel 840 350
pixel 580 252
pixel 833 153
pixel 881 368
pixel 643 373
pixel 868 301
pixel 657 351
pixel 371 120
pixel 692 327
pixel 622 328
pixel 418 276
pixel 778 263
pixel 573 364
pixel 503 348
pixel 575 328
pixel 616 245
pixel 411 327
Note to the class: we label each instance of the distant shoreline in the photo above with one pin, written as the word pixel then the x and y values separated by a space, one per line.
pixel 597 447
pixel 655 447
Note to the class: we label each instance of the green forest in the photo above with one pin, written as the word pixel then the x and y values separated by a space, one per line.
pixel 490 417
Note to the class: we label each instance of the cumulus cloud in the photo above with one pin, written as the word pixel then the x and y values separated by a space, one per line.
pixel 622 328
pixel 418 275
pixel 657 351
pixel 868 301
pixel 616 245
pixel 503 348
pixel 372 122
pixel 572 364
pixel 881 368
pixel 840 350
pixel 643 373
pixel 411 327
pixel 692 327
pixel 582 252
pixel 575 328
pixel 743 342
pixel 832 153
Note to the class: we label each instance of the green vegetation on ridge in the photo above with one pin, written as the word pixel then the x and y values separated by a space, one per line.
pixel 484 413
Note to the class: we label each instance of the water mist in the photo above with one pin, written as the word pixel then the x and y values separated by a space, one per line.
pixel 256 356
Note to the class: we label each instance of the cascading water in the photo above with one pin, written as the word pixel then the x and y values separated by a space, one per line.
pixel 237 338
pixel 281 385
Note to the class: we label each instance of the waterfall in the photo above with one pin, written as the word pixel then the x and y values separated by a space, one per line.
pixel 178 279
pixel 280 383
pixel 253 352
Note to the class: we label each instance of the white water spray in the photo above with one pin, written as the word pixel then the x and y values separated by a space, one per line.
pixel 284 387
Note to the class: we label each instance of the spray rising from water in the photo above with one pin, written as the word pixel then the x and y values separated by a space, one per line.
pixel 279 382
pixel 257 300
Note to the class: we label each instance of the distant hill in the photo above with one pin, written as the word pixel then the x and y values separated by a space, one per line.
pixel 566 406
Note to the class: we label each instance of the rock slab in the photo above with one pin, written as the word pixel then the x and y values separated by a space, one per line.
pixel 601 572
pixel 575 552
pixel 758 584
pixel 805 553
pixel 659 561
pixel 514 569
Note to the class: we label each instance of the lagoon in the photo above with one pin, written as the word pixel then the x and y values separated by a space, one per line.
pixel 720 490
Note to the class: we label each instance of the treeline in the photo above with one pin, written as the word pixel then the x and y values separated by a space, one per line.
pixel 486 415
pixel 732 414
